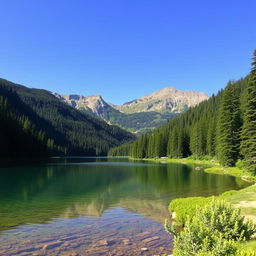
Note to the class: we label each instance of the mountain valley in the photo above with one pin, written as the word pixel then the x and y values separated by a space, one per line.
pixel 140 115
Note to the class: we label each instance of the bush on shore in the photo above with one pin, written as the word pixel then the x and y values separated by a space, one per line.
pixel 214 230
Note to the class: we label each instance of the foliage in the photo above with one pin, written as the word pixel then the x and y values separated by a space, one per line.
pixel 63 129
pixel 197 239
pixel 19 136
pixel 219 216
pixel 122 150
pixel 240 164
pixel 228 126
pixel 248 145
pixel 213 231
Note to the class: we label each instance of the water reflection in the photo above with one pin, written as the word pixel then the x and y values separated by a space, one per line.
pixel 74 187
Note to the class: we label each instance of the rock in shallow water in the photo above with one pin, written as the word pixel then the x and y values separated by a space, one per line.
pixel 52 245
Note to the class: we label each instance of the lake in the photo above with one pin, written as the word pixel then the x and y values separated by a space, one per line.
pixel 96 206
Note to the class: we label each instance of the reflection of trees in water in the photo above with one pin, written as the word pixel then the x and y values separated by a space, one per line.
pixel 39 194
pixel 36 195
pixel 163 176
pixel 184 180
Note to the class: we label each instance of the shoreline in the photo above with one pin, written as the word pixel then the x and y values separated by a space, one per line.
pixel 245 198
pixel 209 166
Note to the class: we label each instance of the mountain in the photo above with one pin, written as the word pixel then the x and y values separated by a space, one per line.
pixel 167 99
pixel 211 129
pixel 140 115
pixel 93 104
pixel 64 129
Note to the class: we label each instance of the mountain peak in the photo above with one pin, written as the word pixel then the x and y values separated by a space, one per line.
pixel 93 103
pixel 95 97
pixel 160 106
pixel 173 92
pixel 167 98
pixel 167 90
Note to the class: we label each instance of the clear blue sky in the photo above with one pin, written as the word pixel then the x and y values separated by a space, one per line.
pixel 123 49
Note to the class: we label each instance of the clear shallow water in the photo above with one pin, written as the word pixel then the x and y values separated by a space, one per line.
pixel 95 206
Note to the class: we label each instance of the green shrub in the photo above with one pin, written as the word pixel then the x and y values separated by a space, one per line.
pixel 197 239
pixel 184 207
pixel 213 231
pixel 240 164
pixel 219 216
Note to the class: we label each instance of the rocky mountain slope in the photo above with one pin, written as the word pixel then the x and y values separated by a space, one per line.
pixel 166 99
pixel 139 115
pixel 93 104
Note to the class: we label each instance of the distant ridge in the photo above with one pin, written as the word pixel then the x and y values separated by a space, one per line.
pixel 139 115
pixel 168 98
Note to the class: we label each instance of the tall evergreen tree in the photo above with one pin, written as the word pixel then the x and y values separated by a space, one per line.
pixel 198 140
pixel 211 138
pixel 229 126
pixel 248 145
pixel 172 144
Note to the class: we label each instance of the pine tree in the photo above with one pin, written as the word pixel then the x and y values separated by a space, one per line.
pixel 180 144
pixel 229 126
pixel 211 138
pixel 158 145
pixel 172 144
pixel 248 144
pixel 197 140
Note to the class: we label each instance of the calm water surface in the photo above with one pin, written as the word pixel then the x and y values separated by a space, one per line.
pixel 95 206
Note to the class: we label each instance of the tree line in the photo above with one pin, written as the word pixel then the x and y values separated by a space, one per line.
pixel 223 127
pixel 34 122
pixel 19 136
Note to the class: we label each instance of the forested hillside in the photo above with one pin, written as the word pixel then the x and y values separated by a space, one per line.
pixel 34 122
pixel 223 127
pixel 18 134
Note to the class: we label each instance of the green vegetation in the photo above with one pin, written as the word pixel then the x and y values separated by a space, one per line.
pixel 244 199
pixel 233 171
pixel 184 207
pixel 18 134
pixel 248 144
pixel 212 128
pixel 138 123
pixel 229 126
pixel 215 228
pixel 37 123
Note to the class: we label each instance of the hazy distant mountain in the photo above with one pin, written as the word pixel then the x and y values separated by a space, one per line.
pixel 168 99
pixel 139 115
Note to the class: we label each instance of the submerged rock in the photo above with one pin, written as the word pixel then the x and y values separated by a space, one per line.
pixel 52 245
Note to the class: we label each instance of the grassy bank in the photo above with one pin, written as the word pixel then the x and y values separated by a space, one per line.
pixel 245 199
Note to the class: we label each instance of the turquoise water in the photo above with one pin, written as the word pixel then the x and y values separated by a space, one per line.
pixel 95 206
